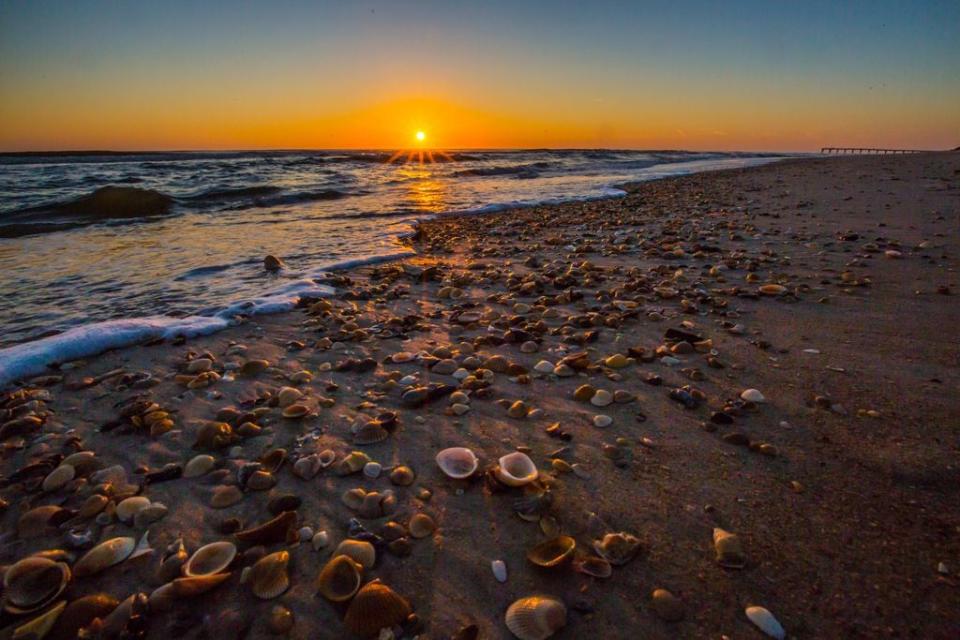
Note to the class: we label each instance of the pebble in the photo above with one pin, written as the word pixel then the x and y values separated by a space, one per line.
pixel 766 622
pixel 752 395
pixel 372 469
pixel 667 606
pixel 499 568
pixel 320 540
pixel 306 533
pixel 601 398
pixel 601 420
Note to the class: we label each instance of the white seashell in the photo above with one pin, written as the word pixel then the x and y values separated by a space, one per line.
pixel 372 469
pixel 129 508
pixel 198 466
pixel 765 621
pixel 536 617
pixel 104 555
pixel 461 373
pixel 516 469
pixel 601 398
pixel 543 367
pixel 457 462
pixel 210 559
pixel 143 547
pixel 752 395
pixel 307 467
pixel 601 420
pixel 499 568
pixel 320 540
pixel 59 477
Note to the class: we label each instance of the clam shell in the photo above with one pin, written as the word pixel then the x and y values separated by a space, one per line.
pixel 617 548
pixel 270 532
pixel 457 462
pixel 59 477
pixel 211 558
pixel 553 552
pixel 225 496
pixel 306 467
pixel 359 551
pixel 195 585
pixel 287 396
pixel 421 525
pixel 535 617
pixel 104 555
pixel 213 435
pixel 353 498
pixel 268 577
pixel 80 613
pixel 36 521
pixel 766 622
pixel 402 476
pixel 339 579
pixel 93 505
pixel 129 508
pixel 198 466
pixel 297 410
pixel 376 606
pixel 39 627
pixel 593 566
pixel 728 549
pixel 33 582
pixel 516 469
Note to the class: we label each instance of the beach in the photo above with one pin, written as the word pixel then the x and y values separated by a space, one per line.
pixel 738 386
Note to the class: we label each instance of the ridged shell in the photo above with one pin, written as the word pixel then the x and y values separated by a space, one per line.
pixel 129 508
pixel 104 555
pixel 457 462
pixel 339 579
pixel 553 552
pixel 536 617
pixel 59 477
pixel 617 548
pixel 370 433
pixel 33 582
pixel 39 627
pixel 80 613
pixel 728 549
pixel 268 577
pixel 376 606
pixel 271 532
pixel 211 558
pixel 359 551
pixel 421 525
pixel 198 466
pixel 516 469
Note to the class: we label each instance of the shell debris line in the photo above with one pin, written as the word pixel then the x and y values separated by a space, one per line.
pixel 614 419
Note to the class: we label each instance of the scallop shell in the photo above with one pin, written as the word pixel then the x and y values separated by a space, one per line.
pixel 376 606
pixel 421 525
pixel 617 548
pixel 211 558
pixel 536 617
pixel 370 433
pixel 59 477
pixel 39 627
pixel 270 532
pixel 766 622
pixel 553 552
pixel 80 613
pixel 198 466
pixel 129 508
pixel 457 462
pixel 516 469
pixel 33 582
pixel 729 550
pixel 359 551
pixel 268 577
pixel 104 555
pixel 339 579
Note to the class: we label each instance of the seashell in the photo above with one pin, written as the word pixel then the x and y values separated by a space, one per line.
pixel 376 606
pixel 402 476
pixel 372 470
pixel 601 398
pixel 128 509
pixel 32 583
pixel 82 461
pixel 601 420
pixel 353 498
pixel 198 466
pixel 297 410
pixel 225 496
pixel 211 558
pixel 307 467
pixel 59 477
pixel 171 564
pixel 421 525
pixel 281 620
pixel 617 361
pixel 553 552
pixel 360 551
pixel 499 568
pixel 752 395
pixel 273 460
pixel 143 547
pixel 252 367
pixel 667 606
pixel 287 396
pixel 536 617
pixel 261 481
pixel 339 579
pixel 370 433
pixel 300 377
pixel 163 598
pixel 352 463
pixel 36 521
pixel 152 513
pixel 766 622
pixel 93 505
pixel 270 532
pixel 772 289
pixel 516 469
pixel 457 462
pixel 104 555
pixel 617 548
pixel 125 617
pixel 583 393
pixel 729 550
pixel 268 577
pixel 320 540
pixel 80 613
pixel 327 457
pixel 213 435
pixel 593 566
pixel 283 502
pixel 39 627
pixel 195 585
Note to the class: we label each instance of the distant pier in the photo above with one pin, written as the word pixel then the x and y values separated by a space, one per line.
pixel 859 150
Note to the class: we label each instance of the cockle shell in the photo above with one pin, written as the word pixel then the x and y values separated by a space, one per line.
pixel 270 532
pixel 339 579
pixel 370 433
pixel 59 477
pixel 359 551
pixel 516 469
pixel 39 627
pixel 728 549
pixel 198 466
pixel 211 558
pixel 104 555
pixel 535 617
pixel 80 613
pixel 617 548
pixel 457 462
pixel 376 606
pixel 128 509
pixel 268 577
pixel 33 582
pixel 553 552
pixel 766 622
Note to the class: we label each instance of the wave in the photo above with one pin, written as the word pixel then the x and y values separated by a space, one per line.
pixel 530 169
pixel 231 193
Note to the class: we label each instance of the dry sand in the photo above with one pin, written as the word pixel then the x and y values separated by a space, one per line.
pixel 845 516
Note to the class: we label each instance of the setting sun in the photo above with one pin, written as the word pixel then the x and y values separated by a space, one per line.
pixel 421 136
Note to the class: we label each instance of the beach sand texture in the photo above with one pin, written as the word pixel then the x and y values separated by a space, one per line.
pixel 828 285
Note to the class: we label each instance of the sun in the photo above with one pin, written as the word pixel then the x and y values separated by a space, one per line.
pixel 421 136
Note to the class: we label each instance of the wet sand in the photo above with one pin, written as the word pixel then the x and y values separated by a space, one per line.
pixel 841 485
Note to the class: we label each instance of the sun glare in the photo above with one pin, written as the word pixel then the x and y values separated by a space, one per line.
pixel 421 136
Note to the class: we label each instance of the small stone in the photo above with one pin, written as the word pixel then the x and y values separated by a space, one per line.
pixel 281 620
pixel 306 533
pixel 499 568
pixel 752 395
pixel 667 606
pixel 601 398
pixel 372 469
pixel 766 622
pixel 320 540
pixel 601 420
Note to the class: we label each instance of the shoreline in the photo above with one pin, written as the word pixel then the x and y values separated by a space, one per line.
pixel 840 484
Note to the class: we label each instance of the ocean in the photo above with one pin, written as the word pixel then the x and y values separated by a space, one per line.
pixel 103 249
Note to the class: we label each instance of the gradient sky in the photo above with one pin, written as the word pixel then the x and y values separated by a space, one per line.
pixel 766 75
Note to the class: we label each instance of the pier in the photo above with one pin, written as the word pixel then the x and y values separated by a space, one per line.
pixel 859 150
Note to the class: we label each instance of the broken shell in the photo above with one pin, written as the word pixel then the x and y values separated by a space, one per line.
pixel 766 622
pixel 339 579
pixel 270 532
pixel 376 606
pixel 593 566
pixel 39 627
pixel 326 458
pixel 457 462
pixel 352 463
pixel 306 467
pixel 172 562
pixel 104 555
pixel 617 548
pixel 210 558
pixel 33 582
pixel 553 552
pixel 268 577
pixel 516 469
pixel 536 617
pixel 421 525
pixel 359 551
pixel 80 613
pixel 129 508
pixel 729 550
pixel 59 477
pixel 198 466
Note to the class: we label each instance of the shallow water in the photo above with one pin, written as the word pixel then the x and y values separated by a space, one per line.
pixel 314 209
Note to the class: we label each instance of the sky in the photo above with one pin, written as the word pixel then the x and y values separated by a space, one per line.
pixel 735 75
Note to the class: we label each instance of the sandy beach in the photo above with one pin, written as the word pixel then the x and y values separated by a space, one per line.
pixel 767 353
